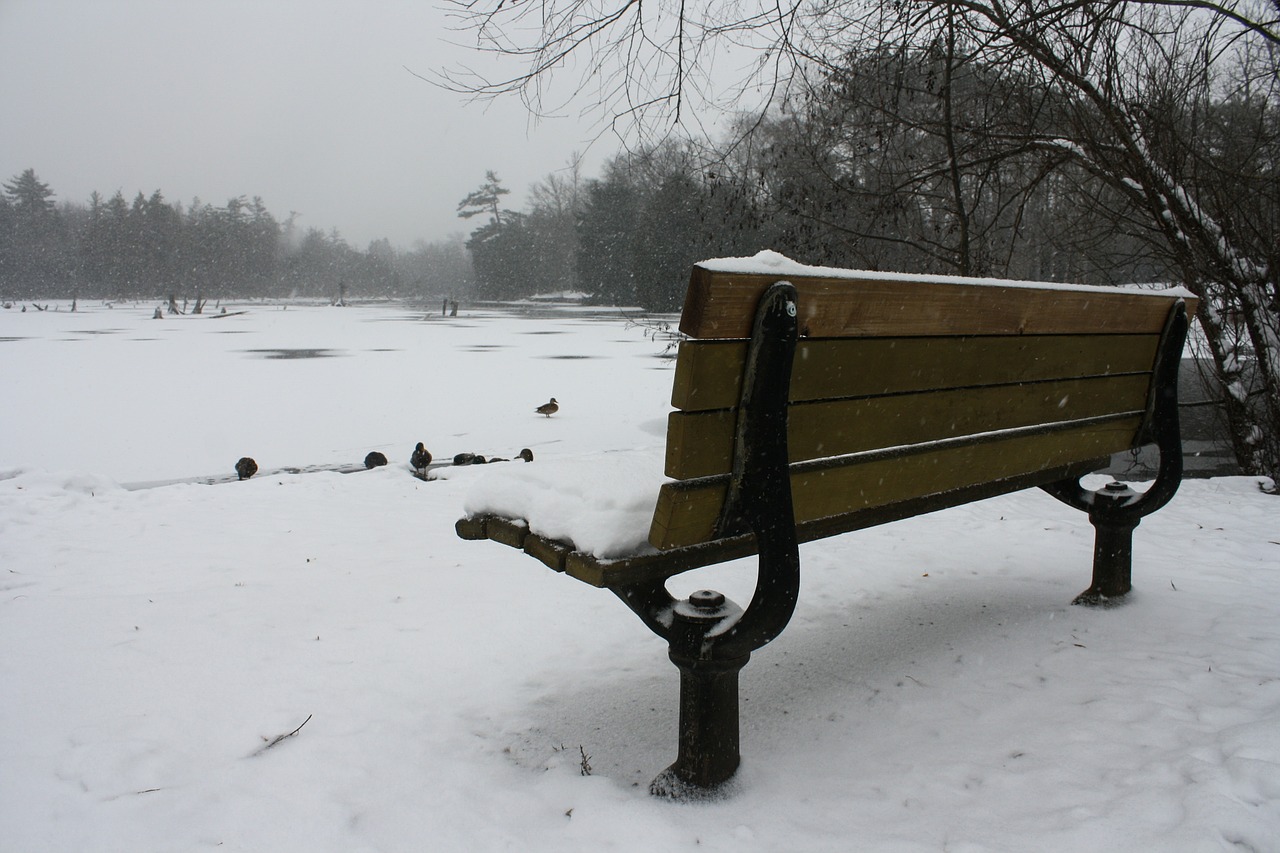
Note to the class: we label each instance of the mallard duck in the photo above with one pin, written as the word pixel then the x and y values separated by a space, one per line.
pixel 375 459
pixel 420 458
pixel 246 468
pixel 548 409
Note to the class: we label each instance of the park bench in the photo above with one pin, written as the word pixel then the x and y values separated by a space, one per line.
pixel 811 402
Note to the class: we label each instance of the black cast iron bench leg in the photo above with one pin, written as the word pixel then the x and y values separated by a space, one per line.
pixel 1115 510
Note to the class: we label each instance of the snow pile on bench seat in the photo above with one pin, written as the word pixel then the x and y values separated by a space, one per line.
pixel 603 502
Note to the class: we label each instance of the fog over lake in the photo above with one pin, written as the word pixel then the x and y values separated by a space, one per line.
pixel 312 106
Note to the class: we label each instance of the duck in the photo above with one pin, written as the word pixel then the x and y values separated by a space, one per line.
pixel 375 459
pixel 548 409
pixel 526 454
pixel 246 468
pixel 420 458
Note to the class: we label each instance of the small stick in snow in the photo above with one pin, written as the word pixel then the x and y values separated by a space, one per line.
pixel 279 738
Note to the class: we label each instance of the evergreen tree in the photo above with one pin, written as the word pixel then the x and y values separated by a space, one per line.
pixel 500 247
pixel 30 197
pixel 671 238
pixel 606 241
pixel 485 200
pixel 33 257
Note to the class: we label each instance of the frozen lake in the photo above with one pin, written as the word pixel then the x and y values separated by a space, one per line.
pixel 115 392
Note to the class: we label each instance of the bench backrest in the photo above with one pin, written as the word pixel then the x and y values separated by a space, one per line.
pixel 910 394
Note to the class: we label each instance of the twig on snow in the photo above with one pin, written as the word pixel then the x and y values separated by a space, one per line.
pixel 279 738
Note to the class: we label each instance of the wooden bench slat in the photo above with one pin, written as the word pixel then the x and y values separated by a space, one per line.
pixel 722 305
pixel 687 510
pixel 708 374
pixel 700 444
pixel 510 532
pixel 649 567
pixel 549 552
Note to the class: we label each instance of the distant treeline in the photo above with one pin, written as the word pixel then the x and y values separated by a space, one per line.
pixel 114 249
pixel 630 236
pixel 899 160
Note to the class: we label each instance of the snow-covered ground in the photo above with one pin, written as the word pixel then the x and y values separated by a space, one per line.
pixel 935 690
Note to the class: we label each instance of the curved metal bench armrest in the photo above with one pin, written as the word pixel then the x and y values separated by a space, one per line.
pixel 758 499
pixel 1160 427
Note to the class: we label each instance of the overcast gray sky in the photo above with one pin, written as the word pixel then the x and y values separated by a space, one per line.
pixel 305 103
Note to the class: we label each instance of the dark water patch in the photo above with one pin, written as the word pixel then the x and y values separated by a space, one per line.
pixel 231 331
pixel 569 357
pixel 484 348
pixel 384 349
pixel 546 332
pixel 6 340
pixel 96 331
pixel 294 353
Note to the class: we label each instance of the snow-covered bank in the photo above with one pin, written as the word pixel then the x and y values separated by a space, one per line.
pixel 935 690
